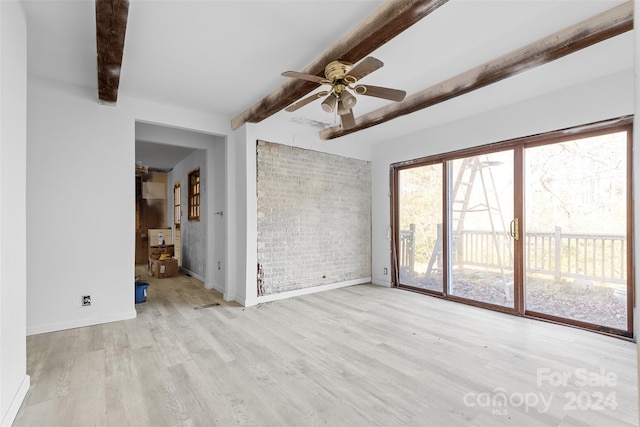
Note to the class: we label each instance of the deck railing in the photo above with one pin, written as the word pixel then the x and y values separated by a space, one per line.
pixel 407 249
pixel 598 257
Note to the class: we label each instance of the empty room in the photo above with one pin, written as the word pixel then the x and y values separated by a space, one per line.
pixel 341 213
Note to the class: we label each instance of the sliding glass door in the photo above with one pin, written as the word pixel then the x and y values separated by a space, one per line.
pixel 576 227
pixel 420 211
pixel 537 226
pixel 481 212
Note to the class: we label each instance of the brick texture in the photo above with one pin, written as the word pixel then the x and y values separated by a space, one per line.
pixel 314 217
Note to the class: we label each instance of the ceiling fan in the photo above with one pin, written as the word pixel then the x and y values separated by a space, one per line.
pixel 342 77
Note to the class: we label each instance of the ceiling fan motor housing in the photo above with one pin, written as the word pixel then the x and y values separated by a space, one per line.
pixel 336 70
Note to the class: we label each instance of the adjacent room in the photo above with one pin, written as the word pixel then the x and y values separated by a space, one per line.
pixel 318 212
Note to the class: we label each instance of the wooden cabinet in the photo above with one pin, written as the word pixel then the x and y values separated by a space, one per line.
pixel 155 233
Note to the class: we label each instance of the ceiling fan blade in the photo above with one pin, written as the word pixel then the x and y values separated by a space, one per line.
pixel 348 120
pixel 365 67
pixel 304 101
pixel 381 92
pixel 303 76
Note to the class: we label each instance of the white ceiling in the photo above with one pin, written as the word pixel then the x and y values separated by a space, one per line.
pixel 222 56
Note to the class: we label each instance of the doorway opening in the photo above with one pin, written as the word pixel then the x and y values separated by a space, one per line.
pixel 171 155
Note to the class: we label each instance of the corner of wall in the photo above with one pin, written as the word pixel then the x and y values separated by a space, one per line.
pixel 379 282
pixel 13 209
pixel 16 402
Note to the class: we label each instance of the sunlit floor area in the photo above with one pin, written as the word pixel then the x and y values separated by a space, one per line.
pixel 357 356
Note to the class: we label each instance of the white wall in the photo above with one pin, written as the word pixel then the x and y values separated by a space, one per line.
pixel 193 233
pixel 80 159
pixel 79 198
pixel 217 224
pixel 601 99
pixel 244 212
pixel 14 382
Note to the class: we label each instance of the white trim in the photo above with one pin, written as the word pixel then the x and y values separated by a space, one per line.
pixel 194 275
pixel 244 302
pixel 213 286
pixel 80 323
pixel 230 297
pixel 16 402
pixel 207 284
pixel 248 302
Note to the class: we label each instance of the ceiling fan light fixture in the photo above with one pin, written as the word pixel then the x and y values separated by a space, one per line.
pixel 329 104
pixel 342 110
pixel 348 100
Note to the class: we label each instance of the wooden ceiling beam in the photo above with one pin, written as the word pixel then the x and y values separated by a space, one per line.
pixel 111 25
pixel 392 18
pixel 601 27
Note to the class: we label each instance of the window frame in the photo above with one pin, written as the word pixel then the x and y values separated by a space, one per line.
pixel 177 204
pixel 624 123
pixel 193 198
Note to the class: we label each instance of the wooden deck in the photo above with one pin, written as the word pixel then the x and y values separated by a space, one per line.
pixel 357 356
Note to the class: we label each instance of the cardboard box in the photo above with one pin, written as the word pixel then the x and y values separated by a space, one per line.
pixel 161 269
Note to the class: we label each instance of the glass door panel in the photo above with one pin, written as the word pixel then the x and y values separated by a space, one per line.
pixel 481 211
pixel 420 210
pixel 576 224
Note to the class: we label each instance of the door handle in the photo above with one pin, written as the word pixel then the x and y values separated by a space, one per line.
pixel 514 229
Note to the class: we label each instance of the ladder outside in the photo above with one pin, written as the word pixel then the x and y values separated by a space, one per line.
pixel 471 169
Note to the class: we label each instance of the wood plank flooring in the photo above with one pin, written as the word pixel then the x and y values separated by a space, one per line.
pixel 358 356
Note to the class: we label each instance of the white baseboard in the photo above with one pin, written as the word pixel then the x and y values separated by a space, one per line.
pixel 194 275
pixel 10 416
pixel 229 297
pixel 248 302
pixel 80 323
pixel 214 286
pixel 207 284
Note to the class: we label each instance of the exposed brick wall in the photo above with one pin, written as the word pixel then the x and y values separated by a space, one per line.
pixel 314 217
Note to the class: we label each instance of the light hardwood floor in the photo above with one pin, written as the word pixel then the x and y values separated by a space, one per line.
pixel 358 356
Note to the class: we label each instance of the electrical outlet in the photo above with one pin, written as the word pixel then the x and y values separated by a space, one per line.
pixel 86 300
pixel 218 265
pixel 386 271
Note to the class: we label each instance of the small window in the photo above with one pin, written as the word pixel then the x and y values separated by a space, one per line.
pixel 176 204
pixel 194 195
